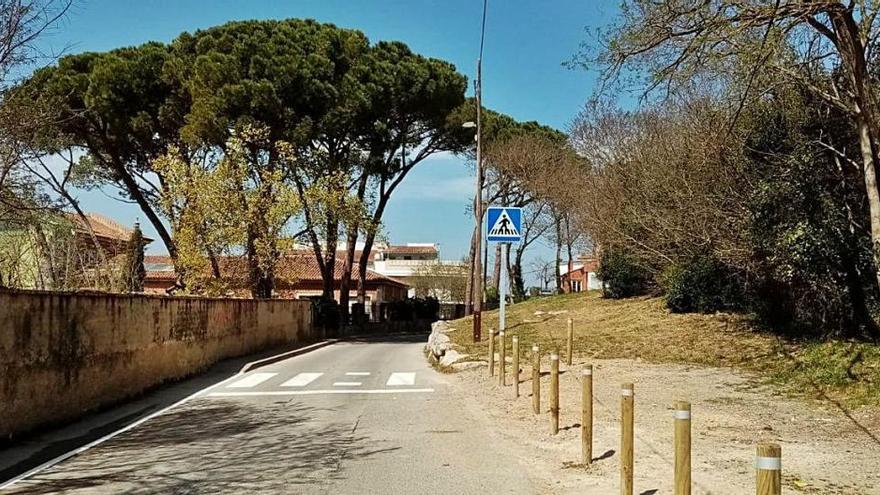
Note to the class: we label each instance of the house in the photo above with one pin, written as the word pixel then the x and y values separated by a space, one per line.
pixel 581 275
pixel 418 265
pixel 297 276
pixel 63 252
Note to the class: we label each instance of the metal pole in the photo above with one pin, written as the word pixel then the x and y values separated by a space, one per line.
pixel 477 285
pixel 477 274
pixel 502 291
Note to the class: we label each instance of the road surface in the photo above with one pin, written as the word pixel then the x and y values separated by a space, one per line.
pixel 356 417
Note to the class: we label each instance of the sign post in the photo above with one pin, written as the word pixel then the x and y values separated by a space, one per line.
pixel 504 225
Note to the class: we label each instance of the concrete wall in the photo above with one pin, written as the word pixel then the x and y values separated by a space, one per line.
pixel 62 355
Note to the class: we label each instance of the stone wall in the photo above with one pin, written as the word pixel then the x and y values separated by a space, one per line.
pixel 62 355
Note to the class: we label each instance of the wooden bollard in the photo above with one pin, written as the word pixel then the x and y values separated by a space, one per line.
pixel 536 379
pixel 682 448
pixel 491 352
pixel 768 465
pixel 626 439
pixel 554 394
pixel 515 341
pixel 569 342
pixel 587 415
pixel 502 359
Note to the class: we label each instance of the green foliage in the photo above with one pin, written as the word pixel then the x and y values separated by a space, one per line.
pixel 492 298
pixel 701 285
pixel 133 272
pixel 221 205
pixel 815 273
pixel 820 367
pixel 622 275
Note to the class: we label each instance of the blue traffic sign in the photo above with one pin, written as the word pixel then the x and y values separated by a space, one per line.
pixel 504 224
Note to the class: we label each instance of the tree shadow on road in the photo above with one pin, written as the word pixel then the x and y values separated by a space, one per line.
pixel 215 446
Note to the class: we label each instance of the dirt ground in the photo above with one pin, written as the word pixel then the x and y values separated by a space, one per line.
pixel 825 449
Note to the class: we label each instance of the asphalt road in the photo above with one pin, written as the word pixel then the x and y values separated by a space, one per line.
pixel 356 417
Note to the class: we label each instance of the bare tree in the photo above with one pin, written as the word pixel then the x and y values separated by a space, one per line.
pixel 678 42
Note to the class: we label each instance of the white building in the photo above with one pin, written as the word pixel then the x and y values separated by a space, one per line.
pixel 411 261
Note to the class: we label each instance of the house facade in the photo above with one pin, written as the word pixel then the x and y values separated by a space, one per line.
pixel 63 252
pixel 581 275
pixel 420 266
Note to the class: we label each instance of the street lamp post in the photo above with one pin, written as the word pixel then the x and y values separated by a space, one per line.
pixel 477 275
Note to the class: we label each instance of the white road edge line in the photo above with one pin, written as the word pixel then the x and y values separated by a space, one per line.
pixel 67 455
pixel 320 392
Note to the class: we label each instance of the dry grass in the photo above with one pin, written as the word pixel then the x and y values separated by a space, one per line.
pixel 642 328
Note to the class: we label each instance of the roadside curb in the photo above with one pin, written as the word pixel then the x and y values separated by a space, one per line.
pixel 285 355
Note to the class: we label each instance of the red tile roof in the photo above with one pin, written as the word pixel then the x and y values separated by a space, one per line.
pixel 291 267
pixel 102 226
pixel 391 249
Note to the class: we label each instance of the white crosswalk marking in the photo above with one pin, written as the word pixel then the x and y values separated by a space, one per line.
pixel 251 380
pixel 346 384
pixel 335 391
pixel 397 379
pixel 358 373
pixel 302 379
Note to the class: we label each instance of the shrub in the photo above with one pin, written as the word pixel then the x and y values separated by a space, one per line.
pixel 622 276
pixel 702 285
pixel 492 298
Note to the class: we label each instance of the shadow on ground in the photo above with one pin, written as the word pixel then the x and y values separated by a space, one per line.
pixel 210 447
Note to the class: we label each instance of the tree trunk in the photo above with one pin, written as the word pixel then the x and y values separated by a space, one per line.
pixel 329 274
pixel 347 268
pixel 852 54
pixel 869 171
pixel 519 285
pixel 369 240
pixel 570 265
pixel 362 267
pixel 261 277
pixel 348 264
pixel 469 288
pixel 559 289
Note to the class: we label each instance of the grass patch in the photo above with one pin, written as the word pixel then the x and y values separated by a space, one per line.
pixel 642 328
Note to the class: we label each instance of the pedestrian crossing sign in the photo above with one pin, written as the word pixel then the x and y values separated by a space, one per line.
pixel 504 224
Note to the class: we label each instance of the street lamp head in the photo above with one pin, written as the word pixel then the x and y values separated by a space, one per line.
pixel 469 125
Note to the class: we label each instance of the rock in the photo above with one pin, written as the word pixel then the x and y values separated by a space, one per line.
pixel 438 342
pixel 450 357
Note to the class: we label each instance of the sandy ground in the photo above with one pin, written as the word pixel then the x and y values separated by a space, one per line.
pixel 825 449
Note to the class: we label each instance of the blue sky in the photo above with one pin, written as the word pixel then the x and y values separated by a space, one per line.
pixel 526 43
